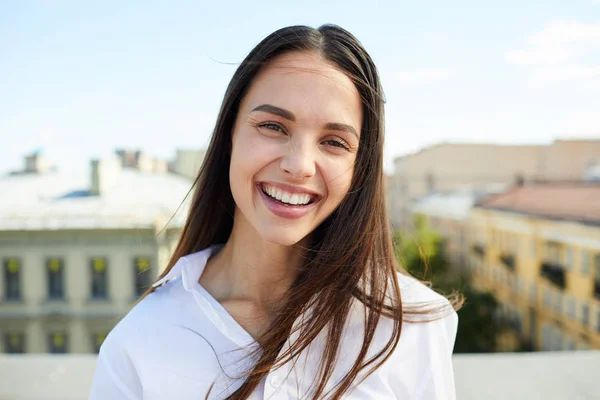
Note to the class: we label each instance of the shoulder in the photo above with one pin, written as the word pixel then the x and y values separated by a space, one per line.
pixel 130 334
pixel 422 361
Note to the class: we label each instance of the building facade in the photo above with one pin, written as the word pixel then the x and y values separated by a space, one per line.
pixel 483 167
pixel 77 251
pixel 537 248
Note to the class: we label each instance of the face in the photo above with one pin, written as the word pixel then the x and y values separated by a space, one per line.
pixel 294 145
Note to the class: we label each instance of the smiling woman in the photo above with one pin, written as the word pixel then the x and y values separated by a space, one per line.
pixel 283 284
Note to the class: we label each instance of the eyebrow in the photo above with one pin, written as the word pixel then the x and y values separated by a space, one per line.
pixel 283 113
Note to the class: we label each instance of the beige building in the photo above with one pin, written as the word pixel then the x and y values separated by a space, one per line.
pixel 448 214
pixel 538 249
pixel 450 167
pixel 76 250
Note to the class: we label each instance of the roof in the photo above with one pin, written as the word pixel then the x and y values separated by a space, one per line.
pixel 454 206
pixel 500 376
pixel 62 200
pixel 572 202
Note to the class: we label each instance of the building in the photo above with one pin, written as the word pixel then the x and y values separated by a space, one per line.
pixel 448 214
pixel 537 248
pixel 187 163
pixel 461 166
pixel 77 249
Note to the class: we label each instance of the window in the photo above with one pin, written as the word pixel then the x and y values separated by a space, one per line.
pixel 558 300
pixel 97 340
pixel 597 268
pixel 569 258
pixel 98 275
pixel 57 342
pixel 585 263
pixel 55 269
pixel 570 311
pixel 12 279
pixel 533 291
pixel 533 248
pixel 14 342
pixel 546 297
pixel 142 272
pixel 585 314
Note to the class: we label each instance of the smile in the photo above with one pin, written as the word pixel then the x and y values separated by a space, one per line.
pixel 287 198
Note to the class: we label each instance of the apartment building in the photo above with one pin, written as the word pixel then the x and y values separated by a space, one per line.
pixel 537 248
pixel 77 250
pixel 448 214
pixel 466 166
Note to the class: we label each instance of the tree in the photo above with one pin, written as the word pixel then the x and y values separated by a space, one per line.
pixel 422 254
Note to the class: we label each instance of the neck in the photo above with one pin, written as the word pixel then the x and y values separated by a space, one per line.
pixel 251 269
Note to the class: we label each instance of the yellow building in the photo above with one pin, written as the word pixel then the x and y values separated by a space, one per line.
pixel 538 249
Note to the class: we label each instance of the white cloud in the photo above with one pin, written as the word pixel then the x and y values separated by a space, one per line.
pixel 556 53
pixel 422 76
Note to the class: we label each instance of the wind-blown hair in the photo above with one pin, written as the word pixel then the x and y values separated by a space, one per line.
pixel 350 257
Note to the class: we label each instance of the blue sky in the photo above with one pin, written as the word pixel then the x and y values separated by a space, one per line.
pixel 79 79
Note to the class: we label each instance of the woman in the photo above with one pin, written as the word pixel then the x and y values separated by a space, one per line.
pixel 283 284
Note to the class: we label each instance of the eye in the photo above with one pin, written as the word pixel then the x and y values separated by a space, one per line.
pixel 337 143
pixel 272 126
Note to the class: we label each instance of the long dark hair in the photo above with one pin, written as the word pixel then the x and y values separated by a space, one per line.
pixel 350 258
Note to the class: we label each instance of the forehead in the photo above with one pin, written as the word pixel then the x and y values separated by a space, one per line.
pixel 306 84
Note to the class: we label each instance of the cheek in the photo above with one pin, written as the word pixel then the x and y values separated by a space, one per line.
pixel 338 184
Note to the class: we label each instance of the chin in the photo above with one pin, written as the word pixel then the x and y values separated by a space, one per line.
pixel 282 237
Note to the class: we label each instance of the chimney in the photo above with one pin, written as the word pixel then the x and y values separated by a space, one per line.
pixel 37 163
pixel 188 162
pixel 104 175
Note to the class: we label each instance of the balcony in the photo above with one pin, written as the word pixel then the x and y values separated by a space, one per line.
pixel 508 260
pixel 554 273
pixel 478 249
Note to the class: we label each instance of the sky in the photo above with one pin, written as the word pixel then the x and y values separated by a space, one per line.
pixel 79 79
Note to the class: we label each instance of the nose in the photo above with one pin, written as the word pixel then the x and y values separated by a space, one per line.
pixel 299 162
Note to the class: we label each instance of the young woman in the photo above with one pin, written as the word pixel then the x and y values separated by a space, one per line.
pixel 284 284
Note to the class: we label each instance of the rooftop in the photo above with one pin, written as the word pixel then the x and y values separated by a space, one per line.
pixel 571 202
pixel 514 376
pixel 60 200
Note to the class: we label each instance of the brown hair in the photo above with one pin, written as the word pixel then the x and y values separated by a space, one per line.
pixel 350 257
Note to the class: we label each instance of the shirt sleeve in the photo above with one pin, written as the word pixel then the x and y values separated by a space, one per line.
pixel 438 381
pixel 115 376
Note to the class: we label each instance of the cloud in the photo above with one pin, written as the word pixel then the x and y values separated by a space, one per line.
pixel 422 76
pixel 559 51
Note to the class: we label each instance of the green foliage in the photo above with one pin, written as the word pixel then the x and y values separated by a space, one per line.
pixel 421 253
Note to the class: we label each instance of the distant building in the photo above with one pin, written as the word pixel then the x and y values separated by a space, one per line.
pixel 448 214
pixel 187 163
pixel 77 250
pixel 538 249
pixel 461 166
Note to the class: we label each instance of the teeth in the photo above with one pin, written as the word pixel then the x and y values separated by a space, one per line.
pixel 285 197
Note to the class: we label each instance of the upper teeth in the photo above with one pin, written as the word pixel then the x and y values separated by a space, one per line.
pixel 285 197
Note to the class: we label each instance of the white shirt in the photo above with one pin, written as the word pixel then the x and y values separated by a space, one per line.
pixel 179 340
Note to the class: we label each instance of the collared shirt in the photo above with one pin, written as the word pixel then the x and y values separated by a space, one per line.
pixel 179 340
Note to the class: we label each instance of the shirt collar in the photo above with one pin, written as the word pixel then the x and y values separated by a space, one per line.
pixel 184 264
